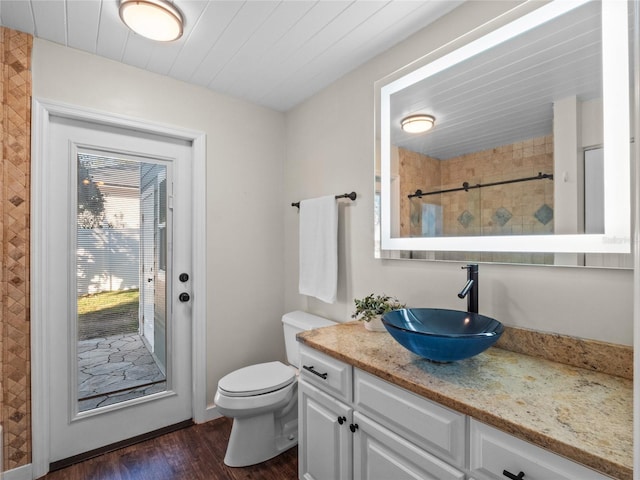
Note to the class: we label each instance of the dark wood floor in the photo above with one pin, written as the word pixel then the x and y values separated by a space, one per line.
pixel 193 453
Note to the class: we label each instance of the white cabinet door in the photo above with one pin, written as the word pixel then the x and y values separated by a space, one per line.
pixel 325 442
pixel 380 454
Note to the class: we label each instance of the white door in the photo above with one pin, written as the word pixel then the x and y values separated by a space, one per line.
pixel 118 165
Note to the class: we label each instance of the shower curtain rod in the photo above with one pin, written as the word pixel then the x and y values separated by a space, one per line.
pixel 351 196
pixel 466 186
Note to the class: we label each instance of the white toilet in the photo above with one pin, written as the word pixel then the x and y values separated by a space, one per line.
pixel 262 399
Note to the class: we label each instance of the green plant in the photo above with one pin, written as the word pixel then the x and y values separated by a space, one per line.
pixel 373 305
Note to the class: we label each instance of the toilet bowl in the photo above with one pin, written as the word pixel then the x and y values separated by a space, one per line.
pixel 265 415
pixel 262 399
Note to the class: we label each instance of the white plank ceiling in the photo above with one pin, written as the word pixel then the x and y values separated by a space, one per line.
pixel 273 53
pixel 506 95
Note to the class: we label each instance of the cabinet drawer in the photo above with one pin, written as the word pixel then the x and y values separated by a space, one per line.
pixel 327 373
pixel 493 452
pixel 432 427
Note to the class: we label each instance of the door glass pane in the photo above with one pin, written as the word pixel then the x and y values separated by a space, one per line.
pixel 121 267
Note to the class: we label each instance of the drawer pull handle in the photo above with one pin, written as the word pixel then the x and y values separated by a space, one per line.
pixel 353 427
pixel 341 420
pixel 315 372
pixel 510 475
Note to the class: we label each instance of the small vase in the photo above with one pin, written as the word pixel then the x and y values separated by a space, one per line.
pixel 375 324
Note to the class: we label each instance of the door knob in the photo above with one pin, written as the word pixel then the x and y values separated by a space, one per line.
pixel 149 279
pixel 184 297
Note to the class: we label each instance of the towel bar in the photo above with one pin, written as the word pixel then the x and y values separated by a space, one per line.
pixel 351 196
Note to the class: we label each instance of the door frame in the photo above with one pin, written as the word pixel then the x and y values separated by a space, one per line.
pixel 149 191
pixel 42 110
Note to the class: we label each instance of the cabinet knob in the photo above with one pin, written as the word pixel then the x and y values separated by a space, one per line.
pixel 510 475
pixel 341 420
pixel 353 427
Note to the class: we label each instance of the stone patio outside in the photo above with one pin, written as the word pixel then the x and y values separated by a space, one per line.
pixel 114 369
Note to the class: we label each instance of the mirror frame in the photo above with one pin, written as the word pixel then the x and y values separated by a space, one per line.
pixel 616 118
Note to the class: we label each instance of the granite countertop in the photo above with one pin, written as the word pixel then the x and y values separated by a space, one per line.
pixel 583 415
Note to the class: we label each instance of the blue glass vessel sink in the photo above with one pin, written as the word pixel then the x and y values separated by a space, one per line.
pixel 442 335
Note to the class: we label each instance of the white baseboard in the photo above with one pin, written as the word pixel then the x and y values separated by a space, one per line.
pixel 24 472
pixel 210 413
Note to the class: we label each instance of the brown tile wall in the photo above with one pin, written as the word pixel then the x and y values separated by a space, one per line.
pixel 522 159
pixel 417 171
pixel 521 200
pixel 15 129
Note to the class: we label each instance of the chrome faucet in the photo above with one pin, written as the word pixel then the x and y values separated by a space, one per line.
pixel 470 290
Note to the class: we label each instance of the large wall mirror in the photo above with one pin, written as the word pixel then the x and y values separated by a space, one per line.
pixel 527 153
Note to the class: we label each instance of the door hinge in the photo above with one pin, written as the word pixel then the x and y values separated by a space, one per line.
pixel 170 202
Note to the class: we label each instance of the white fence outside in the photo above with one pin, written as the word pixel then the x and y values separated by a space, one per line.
pixel 108 259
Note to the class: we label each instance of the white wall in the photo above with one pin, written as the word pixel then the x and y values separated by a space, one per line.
pixel 244 184
pixel 330 149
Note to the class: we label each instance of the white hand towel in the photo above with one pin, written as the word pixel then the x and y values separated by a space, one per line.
pixel 319 248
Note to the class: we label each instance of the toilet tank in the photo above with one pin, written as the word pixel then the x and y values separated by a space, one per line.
pixel 295 322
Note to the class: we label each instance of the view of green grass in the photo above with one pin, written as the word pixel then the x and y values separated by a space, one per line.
pixel 118 300
pixel 108 313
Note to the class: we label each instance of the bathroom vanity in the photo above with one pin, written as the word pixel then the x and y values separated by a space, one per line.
pixel 368 408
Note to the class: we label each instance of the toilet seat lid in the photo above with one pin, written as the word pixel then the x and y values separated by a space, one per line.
pixel 257 379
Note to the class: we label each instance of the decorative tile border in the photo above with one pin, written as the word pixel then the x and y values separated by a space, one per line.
pixel 544 214
pixel 583 353
pixel 15 128
pixel 501 216
pixel 465 218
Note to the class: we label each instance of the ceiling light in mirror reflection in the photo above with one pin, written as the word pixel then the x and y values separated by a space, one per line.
pixel 418 123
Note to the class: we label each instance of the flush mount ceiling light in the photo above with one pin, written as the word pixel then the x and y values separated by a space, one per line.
pixel 154 19
pixel 417 123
